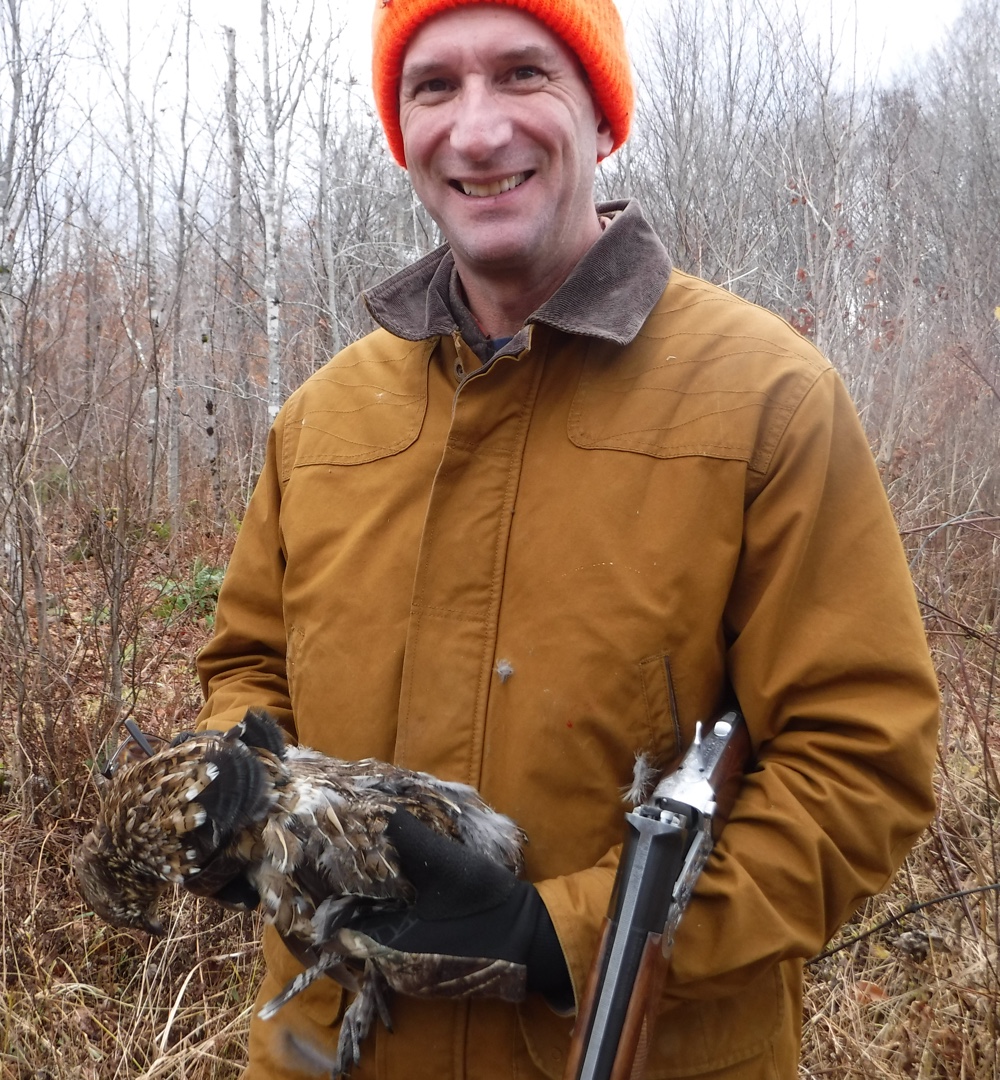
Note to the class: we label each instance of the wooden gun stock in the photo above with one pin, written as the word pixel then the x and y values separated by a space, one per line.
pixel 629 1059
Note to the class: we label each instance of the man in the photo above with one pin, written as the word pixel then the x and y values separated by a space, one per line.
pixel 561 505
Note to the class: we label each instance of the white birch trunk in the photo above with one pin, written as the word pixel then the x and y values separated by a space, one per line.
pixel 272 231
pixel 147 266
pixel 180 264
pixel 326 214
pixel 29 112
pixel 240 409
pixel 213 445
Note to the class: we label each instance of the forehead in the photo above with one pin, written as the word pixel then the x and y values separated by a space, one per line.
pixel 488 32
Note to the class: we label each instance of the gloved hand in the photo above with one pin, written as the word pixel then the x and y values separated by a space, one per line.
pixel 225 885
pixel 182 737
pixel 468 906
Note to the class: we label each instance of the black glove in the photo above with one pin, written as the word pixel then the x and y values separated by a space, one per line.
pixel 468 906
pixel 182 737
pixel 227 886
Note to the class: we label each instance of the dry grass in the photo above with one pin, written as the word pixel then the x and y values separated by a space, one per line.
pixel 83 1000
pixel 79 999
pixel 919 998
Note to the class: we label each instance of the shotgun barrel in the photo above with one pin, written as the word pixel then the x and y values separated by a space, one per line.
pixel 667 842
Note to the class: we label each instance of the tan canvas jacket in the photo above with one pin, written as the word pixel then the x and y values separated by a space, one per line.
pixel 518 574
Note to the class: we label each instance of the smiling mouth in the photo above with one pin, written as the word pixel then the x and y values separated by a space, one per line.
pixel 497 187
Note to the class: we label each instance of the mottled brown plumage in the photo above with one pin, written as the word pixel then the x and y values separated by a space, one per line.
pixel 304 830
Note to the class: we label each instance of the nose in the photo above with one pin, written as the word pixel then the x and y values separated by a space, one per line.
pixel 481 124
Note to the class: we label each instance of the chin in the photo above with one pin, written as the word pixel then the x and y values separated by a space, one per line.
pixel 500 254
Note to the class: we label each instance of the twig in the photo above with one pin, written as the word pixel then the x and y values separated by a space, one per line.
pixel 966 629
pixel 910 909
pixel 960 519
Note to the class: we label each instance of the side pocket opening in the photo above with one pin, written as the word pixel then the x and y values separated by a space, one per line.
pixel 662 717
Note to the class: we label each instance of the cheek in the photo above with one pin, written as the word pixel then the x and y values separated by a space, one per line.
pixel 425 131
pixel 420 179
pixel 414 138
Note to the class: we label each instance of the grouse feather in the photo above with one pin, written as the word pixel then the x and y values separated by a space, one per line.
pixel 305 831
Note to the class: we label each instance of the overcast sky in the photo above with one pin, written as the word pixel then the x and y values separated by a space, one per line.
pixel 894 29
pixel 889 32
pixel 903 26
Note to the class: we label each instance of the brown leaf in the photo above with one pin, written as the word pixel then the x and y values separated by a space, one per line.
pixel 867 993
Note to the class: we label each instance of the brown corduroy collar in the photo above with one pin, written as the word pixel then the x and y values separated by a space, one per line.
pixel 608 295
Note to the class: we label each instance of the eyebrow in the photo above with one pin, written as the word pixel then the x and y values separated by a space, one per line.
pixel 518 54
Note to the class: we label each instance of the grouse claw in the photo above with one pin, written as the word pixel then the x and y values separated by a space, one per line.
pixel 357 1022
pixel 295 986
pixel 348 1046
pixel 379 988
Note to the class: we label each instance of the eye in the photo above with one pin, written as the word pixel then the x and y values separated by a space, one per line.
pixel 525 73
pixel 431 88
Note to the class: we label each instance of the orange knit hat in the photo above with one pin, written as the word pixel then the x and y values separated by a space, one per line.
pixel 591 28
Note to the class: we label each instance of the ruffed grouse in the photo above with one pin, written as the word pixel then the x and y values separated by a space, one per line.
pixel 306 833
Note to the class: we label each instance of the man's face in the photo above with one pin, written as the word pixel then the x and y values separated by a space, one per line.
pixel 502 137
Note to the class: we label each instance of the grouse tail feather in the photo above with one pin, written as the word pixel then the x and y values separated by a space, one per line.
pixel 259 730
pixel 241 793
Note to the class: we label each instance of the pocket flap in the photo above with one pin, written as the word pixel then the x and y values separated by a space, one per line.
pixel 367 403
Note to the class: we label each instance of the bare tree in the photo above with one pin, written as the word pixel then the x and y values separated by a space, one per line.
pixel 326 197
pixel 235 288
pixel 28 199
pixel 280 103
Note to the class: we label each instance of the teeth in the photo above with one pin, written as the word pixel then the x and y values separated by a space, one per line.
pixel 481 191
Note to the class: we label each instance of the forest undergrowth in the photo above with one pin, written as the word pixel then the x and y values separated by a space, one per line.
pixel 910 987
pixel 168 275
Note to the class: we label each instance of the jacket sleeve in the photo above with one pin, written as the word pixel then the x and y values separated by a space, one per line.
pixel 828 658
pixel 245 663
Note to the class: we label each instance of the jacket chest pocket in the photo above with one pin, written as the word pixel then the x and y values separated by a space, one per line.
pixel 360 408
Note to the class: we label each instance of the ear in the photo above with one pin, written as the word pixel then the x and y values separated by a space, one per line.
pixel 605 138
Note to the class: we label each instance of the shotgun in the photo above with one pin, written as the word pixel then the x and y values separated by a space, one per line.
pixel 667 842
